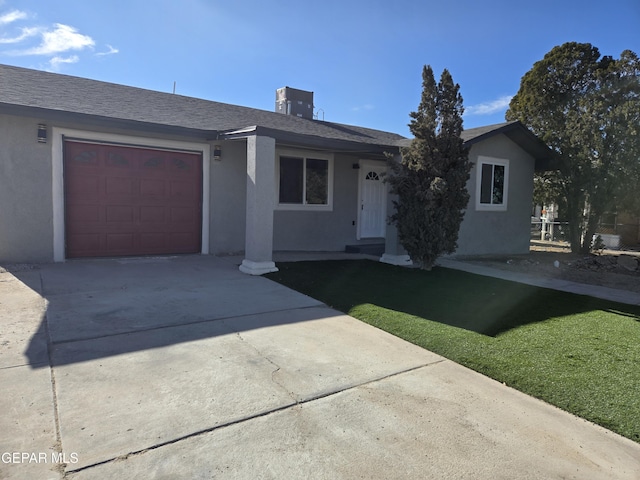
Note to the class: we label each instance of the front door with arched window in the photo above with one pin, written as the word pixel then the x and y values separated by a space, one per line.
pixel 373 201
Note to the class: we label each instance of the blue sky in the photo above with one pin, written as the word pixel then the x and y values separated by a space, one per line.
pixel 362 59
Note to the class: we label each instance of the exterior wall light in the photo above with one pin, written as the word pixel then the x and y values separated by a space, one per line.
pixel 42 133
pixel 217 152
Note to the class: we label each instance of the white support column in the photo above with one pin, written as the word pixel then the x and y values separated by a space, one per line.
pixel 57 190
pixel 394 252
pixel 261 184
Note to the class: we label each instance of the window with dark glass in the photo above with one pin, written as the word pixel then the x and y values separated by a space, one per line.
pixel 317 181
pixel 485 183
pixel 497 196
pixel 304 181
pixel 291 179
pixel 492 184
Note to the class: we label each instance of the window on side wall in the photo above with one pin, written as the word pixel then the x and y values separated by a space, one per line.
pixel 305 182
pixel 492 184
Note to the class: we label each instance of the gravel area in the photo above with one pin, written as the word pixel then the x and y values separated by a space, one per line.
pixel 614 269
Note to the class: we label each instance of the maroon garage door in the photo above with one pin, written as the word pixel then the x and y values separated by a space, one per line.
pixel 122 200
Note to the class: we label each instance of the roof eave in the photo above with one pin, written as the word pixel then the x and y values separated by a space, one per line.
pixel 284 137
pixel 520 135
pixel 102 121
pixel 281 136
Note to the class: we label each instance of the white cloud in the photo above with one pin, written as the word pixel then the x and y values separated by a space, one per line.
pixel 25 33
pixel 55 42
pixel 489 108
pixel 56 62
pixel 12 17
pixel 111 51
pixel 61 39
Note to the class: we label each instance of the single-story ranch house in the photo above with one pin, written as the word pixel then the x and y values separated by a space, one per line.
pixel 92 169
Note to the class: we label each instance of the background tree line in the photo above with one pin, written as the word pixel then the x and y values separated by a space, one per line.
pixel 586 108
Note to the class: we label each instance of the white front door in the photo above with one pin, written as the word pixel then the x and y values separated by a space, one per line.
pixel 373 201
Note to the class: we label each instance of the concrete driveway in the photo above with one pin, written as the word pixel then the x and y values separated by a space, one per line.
pixel 185 368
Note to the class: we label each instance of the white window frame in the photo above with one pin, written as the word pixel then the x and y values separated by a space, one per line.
pixel 502 207
pixel 305 154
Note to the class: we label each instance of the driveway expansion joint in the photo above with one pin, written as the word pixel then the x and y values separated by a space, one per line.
pixel 294 403
pixel 33 366
pixel 54 392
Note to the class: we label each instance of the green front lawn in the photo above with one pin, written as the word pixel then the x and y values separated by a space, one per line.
pixel 576 352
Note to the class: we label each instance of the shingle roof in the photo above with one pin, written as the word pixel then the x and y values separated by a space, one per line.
pixel 74 97
pixel 50 92
pixel 474 135
pixel 516 132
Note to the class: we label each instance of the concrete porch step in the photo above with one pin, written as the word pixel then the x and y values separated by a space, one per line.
pixel 368 249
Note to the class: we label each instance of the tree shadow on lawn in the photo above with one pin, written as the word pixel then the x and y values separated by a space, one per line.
pixel 481 304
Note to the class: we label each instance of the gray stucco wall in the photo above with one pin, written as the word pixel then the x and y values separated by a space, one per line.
pixel 323 231
pixel 26 225
pixel 506 232
pixel 26 203
pixel 228 199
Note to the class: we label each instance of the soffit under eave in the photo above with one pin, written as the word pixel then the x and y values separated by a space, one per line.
pixel 314 142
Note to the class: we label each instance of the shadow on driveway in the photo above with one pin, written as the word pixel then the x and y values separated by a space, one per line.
pixel 145 353
pixel 126 305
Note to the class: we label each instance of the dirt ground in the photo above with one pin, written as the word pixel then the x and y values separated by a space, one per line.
pixel 615 269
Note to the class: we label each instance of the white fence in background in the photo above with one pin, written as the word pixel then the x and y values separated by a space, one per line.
pixel 614 236
pixel 547 230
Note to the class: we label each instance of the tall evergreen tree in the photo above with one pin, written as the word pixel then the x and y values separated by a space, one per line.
pixel 587 109
pixel 430 180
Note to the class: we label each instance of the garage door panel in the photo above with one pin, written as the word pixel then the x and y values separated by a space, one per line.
pixel 181 215
pixel 120 214
pixel 131 201
pixel 83 156
pixel 182 190
pixel 86 242
pixel 151 188
pixel 117 186
pixel 119 160
pixel 83 213
pixel 153 214
pixel 181 165
pixel 88 186
pixel 182 240
pixel 153 241
pixel 153 162
pixel 120 242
